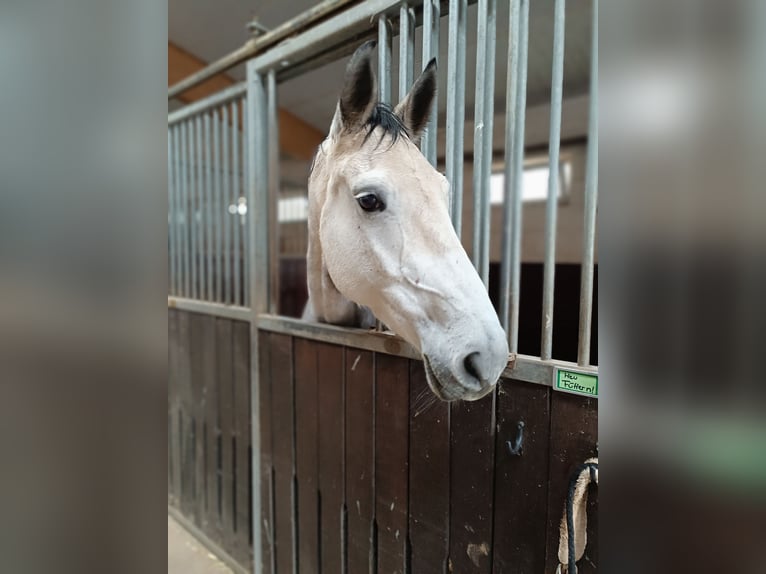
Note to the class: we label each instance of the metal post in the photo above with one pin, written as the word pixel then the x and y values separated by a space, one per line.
pixel 384 60
pixel 430 50
pixel 171 213
pixel 456 109
pixel 406 49
pixel 199 253
pixel 258 264
pixel 591 200
pixel 243 222
pixel 483 126
pixel 517 184
pixel 273 192
pixel 551 209
pixel 184 211
pixel 208 208
pixel 234 218
pixel 511 91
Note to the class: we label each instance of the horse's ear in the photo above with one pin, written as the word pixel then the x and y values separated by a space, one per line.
pixel 359 95
pixel 415 109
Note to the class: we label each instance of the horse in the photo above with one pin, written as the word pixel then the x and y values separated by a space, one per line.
pixel 381 243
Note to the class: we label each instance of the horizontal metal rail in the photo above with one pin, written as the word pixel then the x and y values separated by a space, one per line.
pixel 215 100
pixel 256 45
pixel 207 308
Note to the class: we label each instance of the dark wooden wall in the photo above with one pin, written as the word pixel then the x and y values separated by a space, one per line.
pixel 209 456
pixel 362 471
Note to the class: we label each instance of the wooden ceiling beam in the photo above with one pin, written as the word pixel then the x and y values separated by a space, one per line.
pixel 297 138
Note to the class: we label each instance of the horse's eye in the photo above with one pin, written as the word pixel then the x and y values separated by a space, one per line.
pixel 370 202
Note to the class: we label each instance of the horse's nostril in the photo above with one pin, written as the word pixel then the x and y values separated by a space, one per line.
pixel 470 365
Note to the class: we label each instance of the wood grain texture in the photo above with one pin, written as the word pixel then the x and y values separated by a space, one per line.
pixel 521 482
pixel 429 479
pixel 306 457
pixel 471 489
pixel 226 418
pixel 330 371
pixel 242 502
pixel 391 461
pixel 574 432
pixel 209 366
pixel 267 448
pixel 360 457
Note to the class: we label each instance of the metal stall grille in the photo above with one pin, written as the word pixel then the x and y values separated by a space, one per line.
pixel 207 210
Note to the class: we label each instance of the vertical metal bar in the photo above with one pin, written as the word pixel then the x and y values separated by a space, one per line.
pixel 184 212
pixel 257 254
pixel 226 191
pixel 199 216
pixel 551 209
pixel 511 91
pixel 517 185
pixel 406 49
pixel 456 108
pixel 273 193
pixel 243 221
pixel 209 208
pixel 431 17
pixel 177 208
pixel 483 125
pixel 235 218
pixel 195 193
pixel 171 215
pixel 258 197
pixel 384 60
pixel 591 200
pixel 217 202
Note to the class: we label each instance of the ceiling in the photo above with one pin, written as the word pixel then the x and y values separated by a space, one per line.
pixel 211 29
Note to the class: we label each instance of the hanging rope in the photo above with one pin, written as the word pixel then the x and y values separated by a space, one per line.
pixel 573 529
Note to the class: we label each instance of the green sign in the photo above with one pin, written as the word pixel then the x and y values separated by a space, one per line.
pixel 578 383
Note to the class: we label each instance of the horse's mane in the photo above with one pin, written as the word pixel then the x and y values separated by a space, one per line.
pixel 382 115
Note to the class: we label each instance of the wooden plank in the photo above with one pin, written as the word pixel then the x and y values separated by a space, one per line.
pixel 185 404
pixel 391 459
pixel 574 434
pixel 198 417
pixel 242 503
pixel 306 454
pixel 267 466
pixel 360 458
pixel 209 372
pixel 521 482
pixel 472 476
pixel 283 425
pixel 429 476
pixel 174 433
pixel 330 369
pixel 225 403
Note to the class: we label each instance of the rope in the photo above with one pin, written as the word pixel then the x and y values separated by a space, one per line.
pixel 592 467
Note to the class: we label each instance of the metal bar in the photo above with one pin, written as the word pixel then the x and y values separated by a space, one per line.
pixel 355 20
pixel 430 50
pixel 194 189
pixel 171 215
pixel 551 208
pixel 384 60
pixel 257 261
pixel 235 218
pixel 220 198
pixel 256 45
pixel 456 108
pixel 184 214
pixel 178 206
pixel 244 221
pixel 406 49
pixel 483 123
pixel 511 91
pixel 210 308
pixel 517 184
pixel 226 190
pixel 273 191
pixel 208 209
pixel 591 200
pixel 212 101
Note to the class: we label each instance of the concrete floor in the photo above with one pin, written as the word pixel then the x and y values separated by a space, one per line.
pixel 187 556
